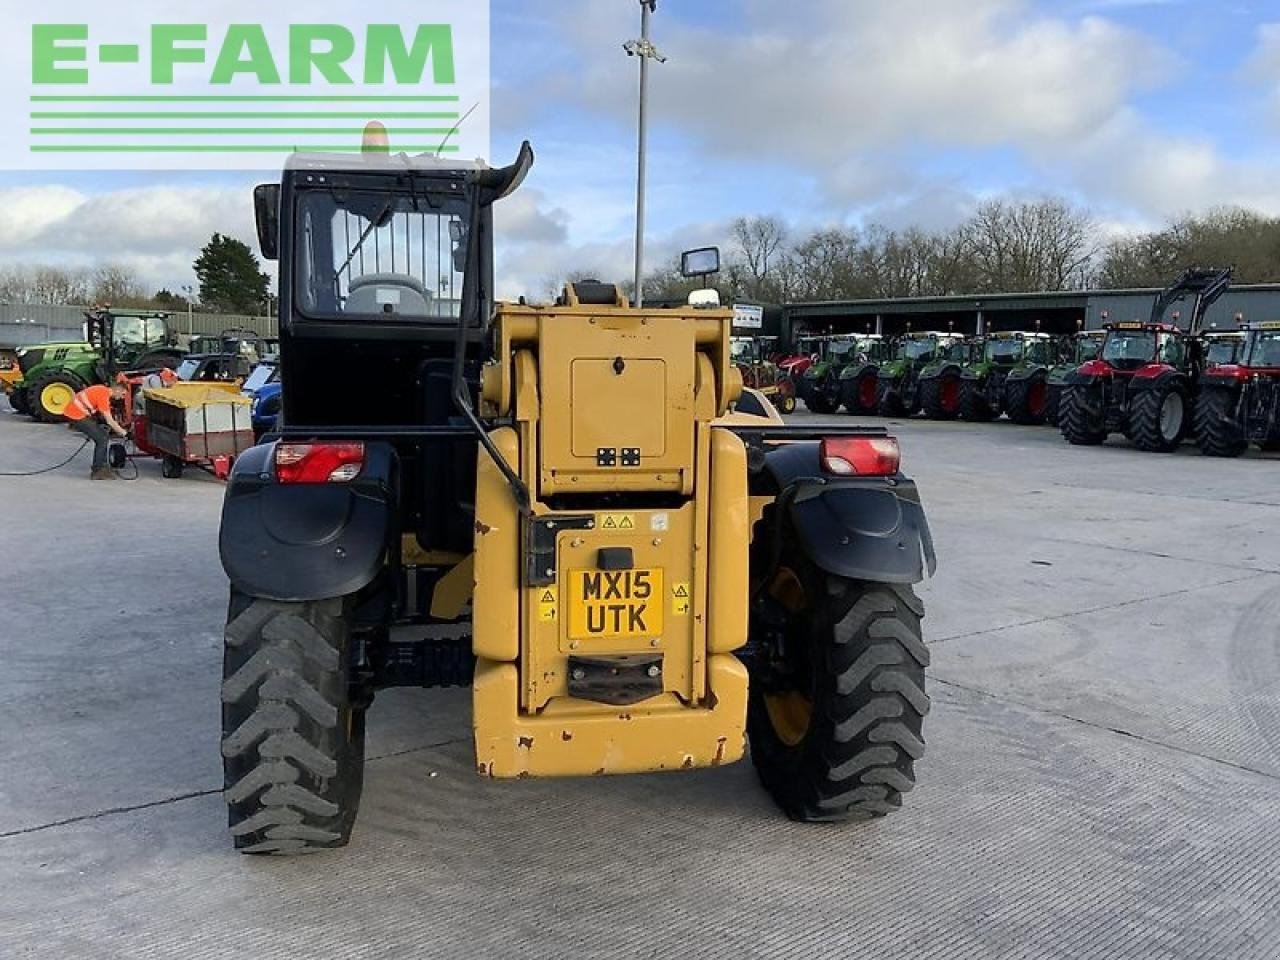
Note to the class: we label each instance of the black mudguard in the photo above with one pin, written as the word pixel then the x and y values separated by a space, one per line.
pixel 1025 374
pixel 869 528
pixel 1158 382
pixel 304 542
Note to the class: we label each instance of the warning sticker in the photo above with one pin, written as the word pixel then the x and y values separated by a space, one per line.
pixel 547 606
pixel 616 521
pixel 680 599
pixel 660 522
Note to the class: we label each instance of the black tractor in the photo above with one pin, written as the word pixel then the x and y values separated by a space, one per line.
pixel 1145 382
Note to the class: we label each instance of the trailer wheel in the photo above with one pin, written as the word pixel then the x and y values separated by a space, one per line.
pixel 1079 427
pixel 835 722
pixel 171 467
pixel 940 396
pixel 1158 418
pixel 889 400
pixel 292 737
pixel 1218 432
pixel 1028 399
pixel 973 403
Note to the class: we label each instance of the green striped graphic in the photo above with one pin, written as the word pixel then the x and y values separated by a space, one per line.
pixel 235 131
pixel 233 115
pixel 227 148
pixel 219 98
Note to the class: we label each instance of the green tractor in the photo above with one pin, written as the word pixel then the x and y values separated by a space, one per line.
pixel 898 388
pixel 53 373
pixel 940 380
pixel 1011 376
pixel 860 378
pixel 823 384
pixel 1073 353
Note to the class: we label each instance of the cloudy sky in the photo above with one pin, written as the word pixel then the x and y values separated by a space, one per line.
pixel 820 111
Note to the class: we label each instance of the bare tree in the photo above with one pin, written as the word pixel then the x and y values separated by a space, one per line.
pixel 759 241
pixel 117 285
pixel 1036 245
pixel 1222 237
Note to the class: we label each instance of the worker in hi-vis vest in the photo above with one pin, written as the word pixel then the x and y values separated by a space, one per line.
pixel 90 413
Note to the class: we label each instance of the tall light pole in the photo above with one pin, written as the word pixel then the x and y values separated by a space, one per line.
pixel 646 51
pixel 190 292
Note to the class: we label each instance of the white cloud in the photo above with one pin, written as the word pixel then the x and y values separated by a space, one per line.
pixel 1263 67
pixel 833 84
pixel 155 231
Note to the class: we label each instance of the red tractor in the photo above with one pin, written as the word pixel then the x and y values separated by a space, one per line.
pixel 1239 401
pixel 1145 381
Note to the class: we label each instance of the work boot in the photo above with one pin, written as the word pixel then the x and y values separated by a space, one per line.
pixel 103 473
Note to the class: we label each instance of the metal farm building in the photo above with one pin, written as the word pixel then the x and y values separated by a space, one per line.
pixel 1061 312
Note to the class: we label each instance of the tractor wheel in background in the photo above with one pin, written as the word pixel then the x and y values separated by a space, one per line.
pixel 1079 427
pixel 20 400
pixel 51 394
pixel 1052 403
pixel 860 395
pixel 292 737
pixel 1159 418
pixel 1218 431
pixel 815 398
pixel 171 467
pixel 973 403
pixel 785 399
pixel 940 397
pixel 837 706
pixel 1028 399
pixel 163 360
pixel 889 400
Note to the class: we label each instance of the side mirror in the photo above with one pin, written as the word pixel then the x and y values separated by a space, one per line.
pixel 266 208
pixel 700 263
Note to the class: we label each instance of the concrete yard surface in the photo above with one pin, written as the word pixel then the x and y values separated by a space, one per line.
pixel 1102 777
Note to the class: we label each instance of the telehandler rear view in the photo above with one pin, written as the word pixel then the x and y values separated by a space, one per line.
pixel 648 568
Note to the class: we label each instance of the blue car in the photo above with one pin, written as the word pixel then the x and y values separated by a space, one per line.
pixel 264 388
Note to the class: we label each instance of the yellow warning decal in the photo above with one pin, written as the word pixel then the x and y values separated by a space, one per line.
pixel 547 606
pixel 616 521
pixel 680 599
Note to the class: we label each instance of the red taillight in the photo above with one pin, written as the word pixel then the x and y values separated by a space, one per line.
pixel 319 462
pixel 860 456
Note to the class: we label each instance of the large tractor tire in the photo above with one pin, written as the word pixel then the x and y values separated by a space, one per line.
pixel 292 737
pixel 20 400
pixel 973 403
pixel 1218 431
pixel 1052 403
pixel 940 397
pixel 52 393
pixel 1159 418
pixel 861 394
pixel 1027 400
pixel 159 360
pixel 1079 427
pixel 889 400
pixel 835 728
pixel 815 398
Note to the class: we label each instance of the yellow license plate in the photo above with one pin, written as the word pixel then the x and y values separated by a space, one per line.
pixel 615 604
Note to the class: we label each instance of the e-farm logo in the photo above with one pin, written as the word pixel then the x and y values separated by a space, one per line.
pixel 169 93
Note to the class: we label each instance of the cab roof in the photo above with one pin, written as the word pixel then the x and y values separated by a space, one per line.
pixel 376 162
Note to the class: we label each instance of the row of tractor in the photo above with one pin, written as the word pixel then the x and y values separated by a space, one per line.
pixel 201 406
pixel 1153 381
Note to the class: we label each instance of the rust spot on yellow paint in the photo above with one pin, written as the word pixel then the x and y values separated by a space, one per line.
pixel 566 736
pixel 522 775
pixel 719 757
pixel 483 528
pixel 600 772
pixel 485 769
pixel 688 763
pixel 526 743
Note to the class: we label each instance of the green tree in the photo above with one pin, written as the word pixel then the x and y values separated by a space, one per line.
pixel 231 278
